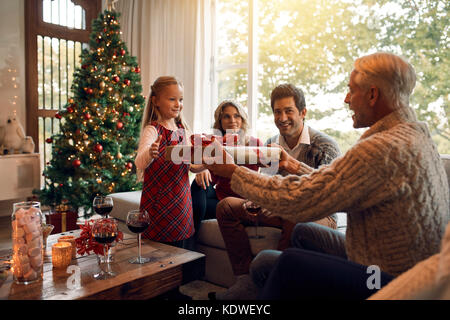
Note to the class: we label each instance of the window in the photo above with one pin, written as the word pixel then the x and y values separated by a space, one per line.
pixel 56 32
pixel 313 43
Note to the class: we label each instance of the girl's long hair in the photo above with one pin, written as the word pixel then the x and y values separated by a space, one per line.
pixel 151 113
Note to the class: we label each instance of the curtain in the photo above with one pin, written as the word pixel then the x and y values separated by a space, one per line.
pixel 173 37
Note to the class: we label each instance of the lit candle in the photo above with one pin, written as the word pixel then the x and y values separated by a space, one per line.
pixel 71 240
pixel 61 254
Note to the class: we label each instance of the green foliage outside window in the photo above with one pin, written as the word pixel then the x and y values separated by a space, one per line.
pixel 313 45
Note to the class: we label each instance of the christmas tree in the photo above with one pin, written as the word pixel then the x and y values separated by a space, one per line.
pixel 93 153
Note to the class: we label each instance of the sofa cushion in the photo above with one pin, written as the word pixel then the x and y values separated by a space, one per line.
pixel 124 202
pixel 210 235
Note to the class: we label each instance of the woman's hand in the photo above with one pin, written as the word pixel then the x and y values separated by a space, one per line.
pixel 154 148
pixel 203 179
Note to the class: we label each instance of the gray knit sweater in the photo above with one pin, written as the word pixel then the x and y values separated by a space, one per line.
pixel 391 183
pixel 321 150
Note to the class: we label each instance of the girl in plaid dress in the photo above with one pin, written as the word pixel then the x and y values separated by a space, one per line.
pixel 166 191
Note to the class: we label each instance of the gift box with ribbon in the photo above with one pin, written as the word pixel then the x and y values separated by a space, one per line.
pixel 63 217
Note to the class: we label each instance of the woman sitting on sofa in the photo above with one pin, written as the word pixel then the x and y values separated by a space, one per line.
pixel 207 189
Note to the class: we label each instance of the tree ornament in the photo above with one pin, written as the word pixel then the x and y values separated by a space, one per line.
pixel 49 140
pixel 89 90
pixel 70 109
pixel 87 115
pixel 76 163
pixel 137 69
pixel 119 125
pixel 116 79
pixel 58 116
pixel 102 84
pixel 119 155
pixel 85 136
pixel 98 148
pixel 122 52
pixel 129 165
pixel 127 82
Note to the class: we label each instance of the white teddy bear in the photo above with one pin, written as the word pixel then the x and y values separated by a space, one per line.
pixel 14 136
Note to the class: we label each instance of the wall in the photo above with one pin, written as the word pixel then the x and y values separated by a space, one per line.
pixel 12 60
pixel 12 68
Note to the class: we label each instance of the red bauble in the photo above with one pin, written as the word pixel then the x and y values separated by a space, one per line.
pixel 87 116
pixel 76 163
pixel 84 66
pixel 119 125
pixel 98 147
pixel 137 69
pixel 58 116
pixel 89 90
pixel 129 165
pixel 70 109
pixel 127 82
pixel 116 79
pixel 49 140
pixel 123 52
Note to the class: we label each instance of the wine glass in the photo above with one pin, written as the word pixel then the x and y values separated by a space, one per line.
pixel 103 205
pixel 105 231
pixel 253 209
pixel 137 222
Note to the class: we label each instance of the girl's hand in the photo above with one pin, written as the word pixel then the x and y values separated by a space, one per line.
pixel 154 148
pixel 203 178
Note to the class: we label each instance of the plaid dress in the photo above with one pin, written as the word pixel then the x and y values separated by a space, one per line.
pixel 166 194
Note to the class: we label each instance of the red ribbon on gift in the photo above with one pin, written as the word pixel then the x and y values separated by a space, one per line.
pixel 207 139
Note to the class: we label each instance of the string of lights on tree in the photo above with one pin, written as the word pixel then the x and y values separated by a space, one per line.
pixel 93 154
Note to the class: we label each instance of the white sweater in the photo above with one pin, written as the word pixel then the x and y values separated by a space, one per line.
pixel 391 183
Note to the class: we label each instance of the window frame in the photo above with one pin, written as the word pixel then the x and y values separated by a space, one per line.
pixel 34 26
pixel 251 65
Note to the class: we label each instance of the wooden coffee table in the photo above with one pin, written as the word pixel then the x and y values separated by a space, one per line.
pixel 171 268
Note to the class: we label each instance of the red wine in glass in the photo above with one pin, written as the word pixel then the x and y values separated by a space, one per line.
pixel 105 231
pixel 137 222
pixel 105 238
pixel 253 209
pixel 103 209
pixel 103 205
pixel 138 227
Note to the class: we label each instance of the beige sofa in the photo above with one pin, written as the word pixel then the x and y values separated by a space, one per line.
pixel 218 268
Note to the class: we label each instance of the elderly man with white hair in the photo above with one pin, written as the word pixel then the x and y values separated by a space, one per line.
pixel 391 183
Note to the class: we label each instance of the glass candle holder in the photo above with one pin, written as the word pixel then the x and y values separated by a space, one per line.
pixel 71 240
pixel 28 253
pixel 46 231
pixel 61 254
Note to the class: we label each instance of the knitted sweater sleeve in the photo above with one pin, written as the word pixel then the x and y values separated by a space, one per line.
pixel 353 182
pixel 423 280
pixel 411 283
